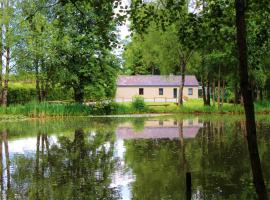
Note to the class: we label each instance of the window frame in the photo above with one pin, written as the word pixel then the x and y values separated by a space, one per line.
pixel 175 93
pixel 160 91
pixel 141 91
pixel 190 91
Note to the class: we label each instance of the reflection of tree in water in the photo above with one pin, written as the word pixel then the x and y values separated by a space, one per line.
pixel 217 158
pixel 223 167
pixel 138 124
pixel 78 168
pixel 155 164
pixel 6 192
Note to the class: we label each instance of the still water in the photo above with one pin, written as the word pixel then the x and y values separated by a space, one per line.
pixel 135 158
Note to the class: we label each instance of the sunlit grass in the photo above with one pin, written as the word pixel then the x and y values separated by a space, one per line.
pixel 22 85
pixel 42 110
pixel 46 109
pixel 197 106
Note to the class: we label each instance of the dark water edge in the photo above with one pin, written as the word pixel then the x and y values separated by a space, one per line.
pixel 130 158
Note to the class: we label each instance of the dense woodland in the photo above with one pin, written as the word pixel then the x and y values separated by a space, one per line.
pixel 66 48
pixel 199 37
pixel 60 44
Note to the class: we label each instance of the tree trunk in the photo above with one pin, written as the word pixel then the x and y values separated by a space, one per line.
pixel 218 98
pixel 208 93
pixel 1 51
pixel 78 94
pixel 183 71
pixel 223 93
pixel 240 6
pixel 7 48
pixel 6 81
pixel 213 92
pixel 261 94
pixel 37 81
pixel 203 92
pixel 236 94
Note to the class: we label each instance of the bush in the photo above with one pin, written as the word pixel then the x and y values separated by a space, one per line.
pixel 19 95
pixel 138 103
pixel 23 95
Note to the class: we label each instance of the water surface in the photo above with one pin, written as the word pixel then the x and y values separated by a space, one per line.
pixel 134 158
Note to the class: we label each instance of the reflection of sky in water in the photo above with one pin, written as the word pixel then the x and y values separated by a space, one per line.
pixel 26 145
pixel 122 177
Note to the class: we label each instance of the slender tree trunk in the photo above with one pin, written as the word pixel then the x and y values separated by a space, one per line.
pixel 236 94
pixel 240 7
pixel 203 92
pixel 183 71
pixel 208 93
pixel 7 48
pixel 1 50
pixel 213 92
pixel 218 99
pixel 38 91
pixel 6 81
pixel 261 94
pixel 223 93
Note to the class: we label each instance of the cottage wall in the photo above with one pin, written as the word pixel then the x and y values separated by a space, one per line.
pixel 151 94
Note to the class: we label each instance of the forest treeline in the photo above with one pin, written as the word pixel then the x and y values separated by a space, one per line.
pixel 199 37
pixel 64 44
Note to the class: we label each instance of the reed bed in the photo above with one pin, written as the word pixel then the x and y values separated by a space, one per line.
pixel 42 110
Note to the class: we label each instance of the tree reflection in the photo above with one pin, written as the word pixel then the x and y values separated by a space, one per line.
pixel 81 165
pixel 6 192
pixel 217 157
pixel 78 168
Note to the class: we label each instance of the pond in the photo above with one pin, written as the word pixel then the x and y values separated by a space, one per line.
pixel 132 158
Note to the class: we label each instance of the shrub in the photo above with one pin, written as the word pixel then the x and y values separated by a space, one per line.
pixel 138 103
pixel 19 95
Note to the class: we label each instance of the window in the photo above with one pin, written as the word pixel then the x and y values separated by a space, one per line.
pixel 174 92
pixel 140 91
pixel 160 91
pixel 190 91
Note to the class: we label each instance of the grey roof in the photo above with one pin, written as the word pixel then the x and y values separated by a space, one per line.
pixel 156 80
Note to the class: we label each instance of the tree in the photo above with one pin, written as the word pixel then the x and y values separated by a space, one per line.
pixel 70 45
pixel 164 14
pixel 246 91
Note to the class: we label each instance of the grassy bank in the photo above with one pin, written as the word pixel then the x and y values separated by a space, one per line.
pixel 197 106
pixel 41 110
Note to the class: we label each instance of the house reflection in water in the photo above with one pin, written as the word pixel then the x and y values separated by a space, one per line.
pixel 158 129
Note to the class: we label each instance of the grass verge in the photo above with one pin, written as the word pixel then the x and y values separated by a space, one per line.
pixel 42 110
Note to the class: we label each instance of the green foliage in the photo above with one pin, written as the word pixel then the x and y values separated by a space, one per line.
pixel 68 45
pixel 138 103
pixel 138 124
pixel 21 95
